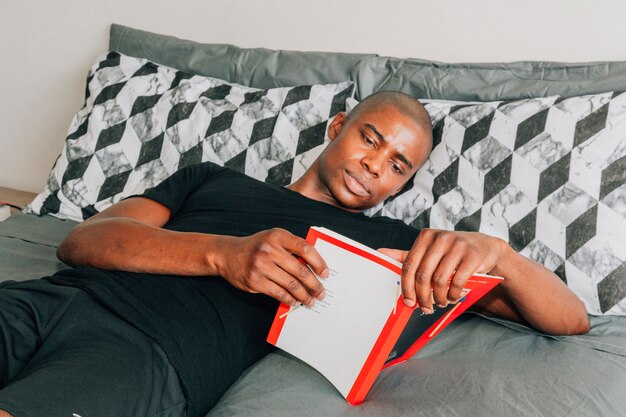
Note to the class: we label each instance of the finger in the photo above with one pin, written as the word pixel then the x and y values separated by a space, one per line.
pixel 444 271
pixel 424 273
pixel 398 255
pixel 293 286
pixel 270 288
pixel 300 276
pixel 410 264
pixel 307 252
pixel 464 271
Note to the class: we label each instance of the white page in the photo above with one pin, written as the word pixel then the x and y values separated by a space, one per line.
pixel 338 333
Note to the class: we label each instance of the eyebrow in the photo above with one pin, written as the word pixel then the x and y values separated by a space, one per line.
pixel 380 136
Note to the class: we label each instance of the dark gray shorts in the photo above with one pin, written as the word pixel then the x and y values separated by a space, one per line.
pixel 63 354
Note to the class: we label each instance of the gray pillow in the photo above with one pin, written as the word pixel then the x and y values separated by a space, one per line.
pixel 265 68
pixel 254 67
pixel 488 81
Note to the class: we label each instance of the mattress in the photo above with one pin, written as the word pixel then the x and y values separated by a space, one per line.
pixel 478 366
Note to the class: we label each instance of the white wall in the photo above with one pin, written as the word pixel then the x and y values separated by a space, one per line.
pixel 47 46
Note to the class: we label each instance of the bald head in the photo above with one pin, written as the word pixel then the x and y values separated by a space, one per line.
pixel 405 103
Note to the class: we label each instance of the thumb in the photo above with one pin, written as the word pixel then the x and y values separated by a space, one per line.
pixel 398 255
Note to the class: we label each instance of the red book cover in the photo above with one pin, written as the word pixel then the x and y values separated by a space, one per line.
pixel 362 326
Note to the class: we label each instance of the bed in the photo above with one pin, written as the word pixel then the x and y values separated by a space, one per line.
pixel 478 365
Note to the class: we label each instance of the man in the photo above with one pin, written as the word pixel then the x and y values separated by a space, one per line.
pixel 210 252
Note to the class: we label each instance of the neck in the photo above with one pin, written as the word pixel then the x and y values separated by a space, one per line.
pixel 310 186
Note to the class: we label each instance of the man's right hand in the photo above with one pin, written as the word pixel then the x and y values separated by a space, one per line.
pixel 265 263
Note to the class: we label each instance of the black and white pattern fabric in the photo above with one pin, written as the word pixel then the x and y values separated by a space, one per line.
pixel 548 175
pixel 142 122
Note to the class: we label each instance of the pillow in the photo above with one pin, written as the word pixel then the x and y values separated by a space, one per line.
pixel 548 175
pixel 264 68
pixel 143 121
pixel 255 67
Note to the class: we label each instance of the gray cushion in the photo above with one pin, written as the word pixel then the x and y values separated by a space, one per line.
pixel 489 81
pixel 265 68
pixel 255 67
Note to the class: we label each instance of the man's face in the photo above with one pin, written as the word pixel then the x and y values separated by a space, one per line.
pixel 371 156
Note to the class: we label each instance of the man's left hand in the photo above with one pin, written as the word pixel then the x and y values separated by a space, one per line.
pixel 435 257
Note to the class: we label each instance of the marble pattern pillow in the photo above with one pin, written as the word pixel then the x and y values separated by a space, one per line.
pixel 142 121
pixel 548 175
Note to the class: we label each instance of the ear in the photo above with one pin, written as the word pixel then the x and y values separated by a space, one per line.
pixel 336 125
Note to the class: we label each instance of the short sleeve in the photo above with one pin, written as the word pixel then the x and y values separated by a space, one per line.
pixel 176 189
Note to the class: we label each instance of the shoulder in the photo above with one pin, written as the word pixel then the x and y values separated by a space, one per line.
pixel 195 174
pixel 200 169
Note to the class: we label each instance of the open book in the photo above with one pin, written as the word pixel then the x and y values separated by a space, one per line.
pixel 362 326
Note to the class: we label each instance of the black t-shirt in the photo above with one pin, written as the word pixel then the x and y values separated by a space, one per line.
pixel 194 318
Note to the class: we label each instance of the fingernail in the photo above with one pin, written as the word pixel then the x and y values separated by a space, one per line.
pixel 311 303
pixel 322 295
pixel 426 310
pixel 442 305
pixel 325 273
pixel 408 302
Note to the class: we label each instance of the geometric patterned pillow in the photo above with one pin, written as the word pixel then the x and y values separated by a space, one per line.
pixel 548 175
pixel 143 121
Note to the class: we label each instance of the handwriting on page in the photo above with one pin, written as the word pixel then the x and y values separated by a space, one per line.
pixel 321 305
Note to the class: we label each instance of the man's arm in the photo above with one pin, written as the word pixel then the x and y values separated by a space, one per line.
pixel 129 236
pixel 530 293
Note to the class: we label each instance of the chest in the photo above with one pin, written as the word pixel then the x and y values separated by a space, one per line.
pixel 238 206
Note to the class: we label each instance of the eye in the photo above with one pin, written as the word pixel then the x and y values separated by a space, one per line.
pixel 396 168
pixel 367 140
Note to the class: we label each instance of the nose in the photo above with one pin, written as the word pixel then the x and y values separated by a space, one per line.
pixel 373 164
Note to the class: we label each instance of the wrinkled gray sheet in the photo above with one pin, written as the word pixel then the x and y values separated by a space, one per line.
pixel 475 367
pixel 28 246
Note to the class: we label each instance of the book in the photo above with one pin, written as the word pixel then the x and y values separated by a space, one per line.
pixel 362 326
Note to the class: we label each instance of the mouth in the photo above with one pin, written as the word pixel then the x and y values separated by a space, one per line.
pixel 356 185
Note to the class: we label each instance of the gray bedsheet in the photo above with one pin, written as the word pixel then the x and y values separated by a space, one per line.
pixel 475 367
pixel 28 246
